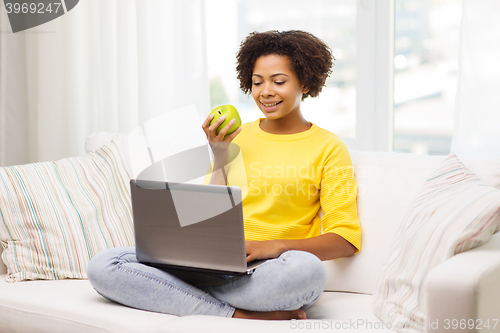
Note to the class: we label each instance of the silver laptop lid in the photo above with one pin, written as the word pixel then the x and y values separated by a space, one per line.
pixel 189 225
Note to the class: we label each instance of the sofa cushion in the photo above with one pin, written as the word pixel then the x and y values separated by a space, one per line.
pixel 454 212
pixel 56 215
pixel 70 306
pixel 332 312
pixel 74 306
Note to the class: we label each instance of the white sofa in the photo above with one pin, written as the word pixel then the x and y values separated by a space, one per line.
pixel 464 287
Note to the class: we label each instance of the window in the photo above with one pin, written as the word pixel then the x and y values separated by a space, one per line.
pixel 426 73
pixel 394 58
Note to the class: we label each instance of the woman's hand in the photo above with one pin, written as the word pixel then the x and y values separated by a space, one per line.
pixel 263 249
pixel 218 143
pixel 326 247
pixel 220 147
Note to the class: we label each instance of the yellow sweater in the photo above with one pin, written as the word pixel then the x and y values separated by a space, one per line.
pixel 285 179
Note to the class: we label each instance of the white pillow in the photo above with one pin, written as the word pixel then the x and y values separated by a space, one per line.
pixel 56 215
pixel 453 212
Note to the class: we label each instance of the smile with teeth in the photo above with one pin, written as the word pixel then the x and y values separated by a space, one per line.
pixel 270 105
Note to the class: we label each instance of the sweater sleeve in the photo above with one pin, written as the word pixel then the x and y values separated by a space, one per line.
pixel 338 194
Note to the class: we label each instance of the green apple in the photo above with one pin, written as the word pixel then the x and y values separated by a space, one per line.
pixel 230 113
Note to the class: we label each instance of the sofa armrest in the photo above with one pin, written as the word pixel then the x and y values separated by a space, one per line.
pixel 465 287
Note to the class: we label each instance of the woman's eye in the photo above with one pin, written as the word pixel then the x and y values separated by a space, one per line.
pixel 256 83
pixel 280 83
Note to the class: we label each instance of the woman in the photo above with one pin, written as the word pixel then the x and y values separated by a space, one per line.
pixel 293 168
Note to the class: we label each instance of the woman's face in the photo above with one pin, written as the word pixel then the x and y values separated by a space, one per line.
pixel 275 87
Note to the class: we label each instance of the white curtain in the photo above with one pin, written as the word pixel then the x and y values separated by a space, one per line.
pixel 477 115
pixel 106 65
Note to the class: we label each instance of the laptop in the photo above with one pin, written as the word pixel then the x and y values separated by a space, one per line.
pixel 190 226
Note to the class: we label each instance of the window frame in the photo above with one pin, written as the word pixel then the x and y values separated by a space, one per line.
pixel 374 76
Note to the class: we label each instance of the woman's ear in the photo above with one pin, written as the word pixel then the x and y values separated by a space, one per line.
pixel 305 90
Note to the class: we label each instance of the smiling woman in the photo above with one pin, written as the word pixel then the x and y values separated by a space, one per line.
pixel 312 50
pixel 279 77
pixel 277 91
pixel 279 70
pixel 281 215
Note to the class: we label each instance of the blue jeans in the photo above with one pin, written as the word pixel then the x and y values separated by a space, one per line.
pixel 293 281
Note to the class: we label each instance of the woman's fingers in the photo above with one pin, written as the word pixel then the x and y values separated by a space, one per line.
pixel 250 258
pixel 207 121
pixel 226 128
pixel 253 250
pixel 206 125
pixel 217 123
pixel 234 134
pixel 211 130
pixel 263 249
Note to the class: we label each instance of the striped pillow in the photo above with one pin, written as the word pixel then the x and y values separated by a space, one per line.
pixel 454 211
pixel 54 216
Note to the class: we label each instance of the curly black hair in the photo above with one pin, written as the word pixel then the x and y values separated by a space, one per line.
pixel 310 57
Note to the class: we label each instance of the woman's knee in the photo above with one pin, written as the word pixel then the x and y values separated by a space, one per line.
pixel 307 269
pixel 102 266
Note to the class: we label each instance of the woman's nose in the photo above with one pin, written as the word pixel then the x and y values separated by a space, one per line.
pixel 267 91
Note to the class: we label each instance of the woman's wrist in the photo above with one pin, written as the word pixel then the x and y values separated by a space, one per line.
pixel 325 247
pixel 282 245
